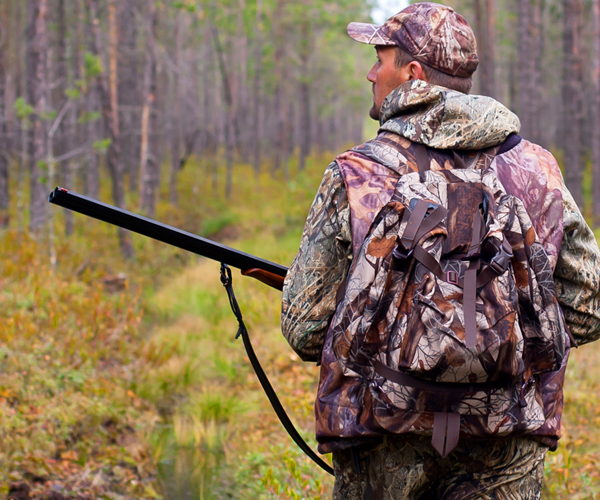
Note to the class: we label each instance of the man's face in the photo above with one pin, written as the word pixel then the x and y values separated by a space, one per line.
pixel 386 76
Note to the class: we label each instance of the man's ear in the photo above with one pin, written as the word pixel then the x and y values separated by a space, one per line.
pixel 415 70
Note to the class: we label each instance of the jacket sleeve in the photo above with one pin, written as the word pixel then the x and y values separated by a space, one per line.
pixel 312 282
pixel 577 274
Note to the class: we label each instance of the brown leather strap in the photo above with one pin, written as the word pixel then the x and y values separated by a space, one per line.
pixel 423 161
pixel 446 431
pixel 407 380
pixel 414 222
pixel 429 261
pixel 438 439
pixel 470 303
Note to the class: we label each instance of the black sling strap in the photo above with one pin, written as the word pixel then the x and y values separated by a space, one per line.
pixel 227 281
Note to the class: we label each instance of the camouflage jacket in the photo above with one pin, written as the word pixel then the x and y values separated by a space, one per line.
pixel 357 184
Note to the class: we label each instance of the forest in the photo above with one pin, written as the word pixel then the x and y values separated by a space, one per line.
pixel 121 377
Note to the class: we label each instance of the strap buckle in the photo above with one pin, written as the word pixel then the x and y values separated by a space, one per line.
pixel 501 260
pixel 452 277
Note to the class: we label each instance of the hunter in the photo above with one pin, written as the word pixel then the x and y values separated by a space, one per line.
pixel 443 274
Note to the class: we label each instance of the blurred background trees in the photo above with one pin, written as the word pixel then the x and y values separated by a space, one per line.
pixel 131 89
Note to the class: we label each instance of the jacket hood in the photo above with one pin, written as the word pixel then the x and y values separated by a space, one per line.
pixel 446 119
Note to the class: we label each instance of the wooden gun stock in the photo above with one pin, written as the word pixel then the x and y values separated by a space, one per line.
pixel 273 280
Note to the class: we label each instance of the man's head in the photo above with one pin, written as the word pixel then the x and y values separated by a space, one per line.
pixel 425 41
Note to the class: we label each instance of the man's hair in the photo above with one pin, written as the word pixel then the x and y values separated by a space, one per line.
pixel 435 76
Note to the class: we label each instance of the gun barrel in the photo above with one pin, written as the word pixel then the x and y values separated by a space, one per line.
pixel 161 232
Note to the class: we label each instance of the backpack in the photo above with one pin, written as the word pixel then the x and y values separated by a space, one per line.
pixel 449 306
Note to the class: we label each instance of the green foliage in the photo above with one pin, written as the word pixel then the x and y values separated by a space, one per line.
pixel 72 93
pixel 89 116
pixel 23 109
pixel 92 65
pixel 101 145
pixel 187 6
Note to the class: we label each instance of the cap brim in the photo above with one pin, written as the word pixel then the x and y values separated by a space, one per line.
pixel 372 34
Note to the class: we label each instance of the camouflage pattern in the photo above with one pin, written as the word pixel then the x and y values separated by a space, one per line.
pixel 353 190
pixel 371 410
pixel 401 313
pixel 577 275
pixel 407 467
pixel 433 34
pixel 446 119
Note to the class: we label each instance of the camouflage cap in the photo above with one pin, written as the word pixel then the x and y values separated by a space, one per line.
pixel 433 34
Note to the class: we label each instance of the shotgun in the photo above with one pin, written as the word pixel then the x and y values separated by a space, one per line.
pixel 265 271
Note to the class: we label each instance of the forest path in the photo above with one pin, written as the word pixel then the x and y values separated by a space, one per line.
pixel 221 438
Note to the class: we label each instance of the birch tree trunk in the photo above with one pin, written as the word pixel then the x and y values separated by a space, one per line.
pixel 572 97
pixel 596 114
pixel 39 167
pixel 111 129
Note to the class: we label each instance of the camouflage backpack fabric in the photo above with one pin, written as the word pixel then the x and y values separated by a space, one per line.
pixel 449 307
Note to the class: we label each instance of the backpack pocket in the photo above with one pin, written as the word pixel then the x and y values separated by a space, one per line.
pixel 433 345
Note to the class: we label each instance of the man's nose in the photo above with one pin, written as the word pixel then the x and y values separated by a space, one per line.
pixel 371 76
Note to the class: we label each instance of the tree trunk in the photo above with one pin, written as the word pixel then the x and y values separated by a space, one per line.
pixel 92 169
pixel 175 113
pixel 596 114
pixel 111 129
pixel 572 97
pixel 63 142
pixel 130 103
pixel 39 167
pixel 5 146
pixel 231 133
pixel 484 16
pixel 305 52
pixel 256 115
pixel 147 181
pixel 525 67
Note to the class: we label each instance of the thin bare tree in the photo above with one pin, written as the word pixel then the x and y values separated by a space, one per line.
pixel 148 184
pixel 39 167
pixel 111 127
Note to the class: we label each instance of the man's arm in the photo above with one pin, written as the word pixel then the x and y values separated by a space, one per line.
pixel 312 282
pixel 577 274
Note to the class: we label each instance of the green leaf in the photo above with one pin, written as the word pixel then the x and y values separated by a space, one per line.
pixel 22 108
pixel 72 93
pixel 101 145
pixel 92 65
pixel 89 116
pixel 48 115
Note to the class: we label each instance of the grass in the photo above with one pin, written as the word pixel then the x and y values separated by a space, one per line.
pixel 141 391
